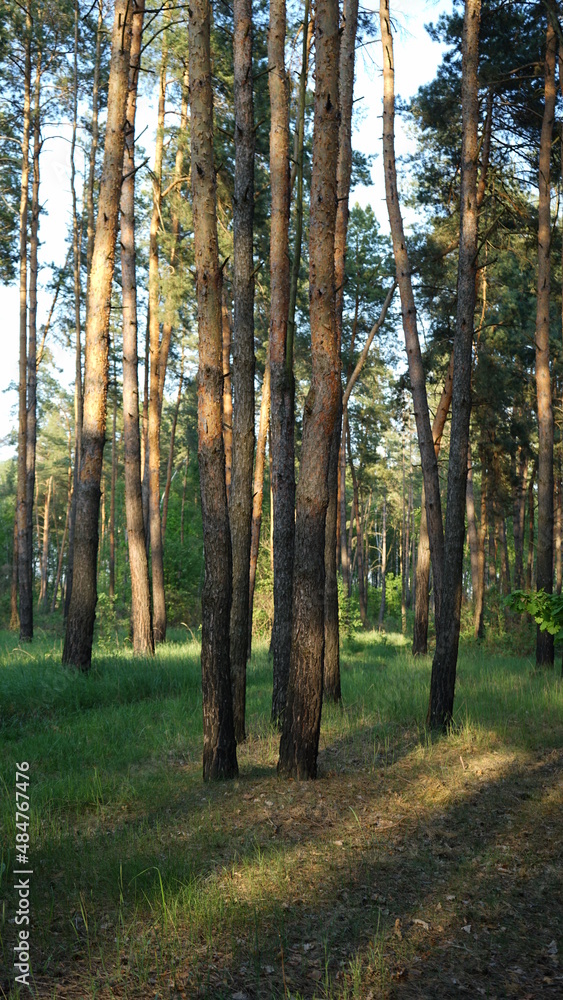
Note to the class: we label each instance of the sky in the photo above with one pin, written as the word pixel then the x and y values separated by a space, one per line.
pixel 416 62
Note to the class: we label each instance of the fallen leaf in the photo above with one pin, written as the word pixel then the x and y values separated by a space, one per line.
pixel 422 923
pixel 398 933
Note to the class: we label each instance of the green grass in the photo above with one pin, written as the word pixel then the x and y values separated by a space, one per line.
pixel 149 883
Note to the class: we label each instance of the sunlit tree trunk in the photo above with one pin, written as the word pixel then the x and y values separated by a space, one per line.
pixel 219 745
pixel 76 257
pixel 32 319
pixel 240 506
pixel 518 511
pixel 14 616
pixel 226 327
pixel 155 527
pixel 80 622
pixel 45 552
pixel 24 549
pixel 442 683
pixel 331 664
pixel 258 491
pixel 472 533
pixel 141 625
pixel 383 560
pixel 112 494
pixel 420 629
pixel 302 718
pixel 170 462
pixel 531 526
pixel 544 559
pixel 281 362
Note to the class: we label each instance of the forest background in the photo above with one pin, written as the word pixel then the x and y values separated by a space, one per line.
pixel 430 842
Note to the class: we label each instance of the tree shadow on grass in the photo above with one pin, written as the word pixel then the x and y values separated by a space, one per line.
pixel 424 876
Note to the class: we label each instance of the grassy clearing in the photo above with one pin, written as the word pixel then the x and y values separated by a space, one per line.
pixel 411 868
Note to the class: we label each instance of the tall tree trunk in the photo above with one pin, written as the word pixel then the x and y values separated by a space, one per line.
pixel 80 623
pixel 90 223
pixel 331 666
pixel 24 551
pixel 420 632
pixel 383 560
pixel 544 641
pixel 302 719
pixel 420 629
pixel 359 540
pixel 442 683
pixel 483 522
pixel 281 362
pixel 170 463
pixel 344 551
pixel 184 485
pixel 14 616
pixel 518 512
pixel 531 518
pixel 61 554
pixel 32 319
pixel 141 625
pixel 175 229
pixel 416 370
pixel 76 254
pixel 112 495
pixel 45 555
pixel 258 492
pixel 240 507
pixel 219 745
pixel 557 524
pixel 157 555
pixel 472 533
pixel 145 431
pixel 227 386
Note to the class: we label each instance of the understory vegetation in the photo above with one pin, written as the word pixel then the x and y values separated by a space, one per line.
pixel 416 865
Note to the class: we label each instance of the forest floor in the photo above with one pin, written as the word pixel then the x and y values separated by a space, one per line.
pixel 413 866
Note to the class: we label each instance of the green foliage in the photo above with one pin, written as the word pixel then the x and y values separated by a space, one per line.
pixel 546 609
pixel 349 620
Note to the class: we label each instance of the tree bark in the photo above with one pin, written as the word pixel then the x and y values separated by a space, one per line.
pixel 45 554
pixel 421 607
pixel 155 527
pixel 302 719
pixel 383 560
pixel 24 550
pixel 518 512
pixel 240 506
pixel 359 539
pixel 258 491
pixel 141 624
pixel 219 745
pixel 170 462
pixel 112 495
pixel 531 518
pixel 472 533
pixel 14 616
pixel 442 683
pixel 227 386
pixel 479 626
pixel 281 363
pixel 416 370
pixel 76 255
pixel 544 561
pixel 31 442
pixel 80 623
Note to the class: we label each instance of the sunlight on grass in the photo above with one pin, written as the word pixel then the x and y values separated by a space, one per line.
pixel 145 873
